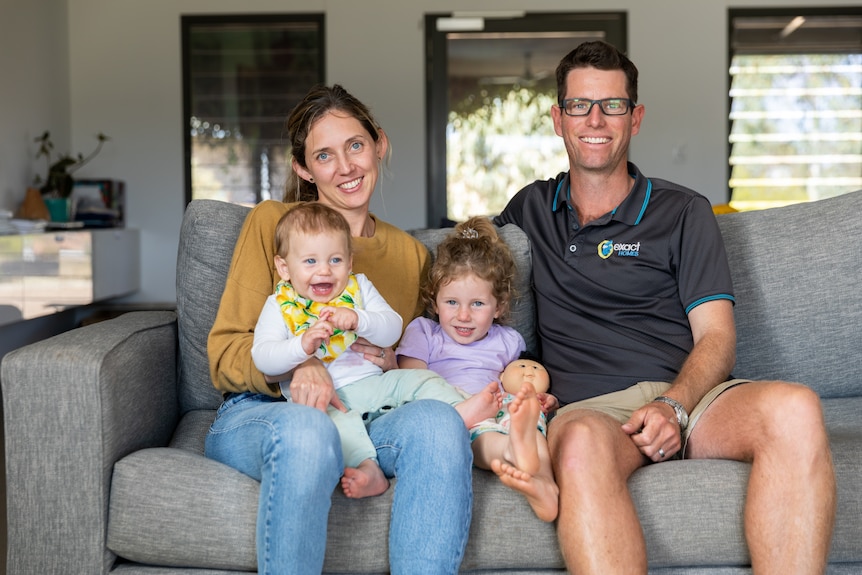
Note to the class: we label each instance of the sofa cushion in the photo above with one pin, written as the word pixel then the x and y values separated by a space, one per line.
pixel 796 274
pixel 174 507
pixel 697 522
pixel 152 522
pixel 845 438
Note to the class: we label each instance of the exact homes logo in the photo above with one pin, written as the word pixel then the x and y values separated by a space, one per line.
pixel 607 248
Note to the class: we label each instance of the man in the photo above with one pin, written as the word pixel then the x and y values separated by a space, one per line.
pixel 635 319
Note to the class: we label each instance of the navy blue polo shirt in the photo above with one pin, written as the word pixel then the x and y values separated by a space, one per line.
pixel 612 297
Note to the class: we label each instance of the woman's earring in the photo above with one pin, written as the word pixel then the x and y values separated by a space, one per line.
pixel 311 180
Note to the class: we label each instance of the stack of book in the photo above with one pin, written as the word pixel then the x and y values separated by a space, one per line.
pixel 99 203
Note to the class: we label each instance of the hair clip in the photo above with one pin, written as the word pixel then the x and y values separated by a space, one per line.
pixel 469 234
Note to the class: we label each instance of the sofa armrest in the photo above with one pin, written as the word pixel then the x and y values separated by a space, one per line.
pixel 73 405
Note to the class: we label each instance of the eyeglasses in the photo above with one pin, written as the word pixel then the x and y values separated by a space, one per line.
pixel 608 106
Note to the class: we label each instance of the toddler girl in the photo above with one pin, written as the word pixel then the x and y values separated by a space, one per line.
pixel 469 290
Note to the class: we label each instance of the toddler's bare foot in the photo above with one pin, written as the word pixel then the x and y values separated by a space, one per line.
pixel 541 491
pixel 524 410
pixel 480 406
pixel 367 480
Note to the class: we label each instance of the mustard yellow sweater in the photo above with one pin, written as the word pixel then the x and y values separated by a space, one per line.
pixel 392 259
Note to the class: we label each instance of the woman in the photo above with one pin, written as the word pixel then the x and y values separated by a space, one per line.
pixel 292 448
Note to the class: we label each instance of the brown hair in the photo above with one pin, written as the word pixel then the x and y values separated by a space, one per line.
pixel 599 55
pixel 319 101
pixel 473 247
pixel 309 218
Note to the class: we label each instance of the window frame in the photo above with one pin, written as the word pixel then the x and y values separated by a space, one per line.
pixel 190 20
pixel 613 23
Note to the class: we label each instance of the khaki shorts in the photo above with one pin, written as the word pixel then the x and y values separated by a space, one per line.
pixel 622 404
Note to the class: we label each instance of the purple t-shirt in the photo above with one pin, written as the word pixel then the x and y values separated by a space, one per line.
pixel 468 367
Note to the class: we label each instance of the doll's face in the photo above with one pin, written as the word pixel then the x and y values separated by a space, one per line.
pixel 521 370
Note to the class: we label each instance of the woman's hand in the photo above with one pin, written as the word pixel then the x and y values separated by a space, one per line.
pixel 311 385
pixel 382 356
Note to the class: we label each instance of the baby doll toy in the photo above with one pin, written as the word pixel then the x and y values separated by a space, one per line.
pixel 521 426
pixel 517 373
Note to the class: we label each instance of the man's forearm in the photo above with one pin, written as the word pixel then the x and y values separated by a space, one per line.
pixel 708 364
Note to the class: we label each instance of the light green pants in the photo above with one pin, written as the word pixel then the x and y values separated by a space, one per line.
pixel 373 396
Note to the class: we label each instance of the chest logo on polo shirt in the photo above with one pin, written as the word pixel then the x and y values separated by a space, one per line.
pixel 607 248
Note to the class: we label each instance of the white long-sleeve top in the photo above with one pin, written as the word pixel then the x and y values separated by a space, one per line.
pixel 276 350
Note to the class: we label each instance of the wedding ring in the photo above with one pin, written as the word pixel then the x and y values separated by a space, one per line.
pixel 382 354
pixel 661 452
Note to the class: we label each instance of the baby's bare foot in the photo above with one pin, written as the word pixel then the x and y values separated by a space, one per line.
pixel 541 491
pixel 367 480
pixel 480 406
pixel 524 411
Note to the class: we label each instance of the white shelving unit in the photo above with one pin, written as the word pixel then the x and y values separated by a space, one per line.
pixel 44 273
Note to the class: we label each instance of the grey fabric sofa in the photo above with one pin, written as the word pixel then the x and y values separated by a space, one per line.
pixel 105 424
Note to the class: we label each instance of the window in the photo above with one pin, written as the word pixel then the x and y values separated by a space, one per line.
pixel 795 125
pixel 241 77
pixel 490 87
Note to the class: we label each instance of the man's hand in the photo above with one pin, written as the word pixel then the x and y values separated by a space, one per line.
pixel 655 431
pixel 311 385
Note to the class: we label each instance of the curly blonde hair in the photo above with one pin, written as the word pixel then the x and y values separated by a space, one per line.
pixel 474 247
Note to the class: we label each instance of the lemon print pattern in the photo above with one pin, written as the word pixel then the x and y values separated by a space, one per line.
pixel 301 313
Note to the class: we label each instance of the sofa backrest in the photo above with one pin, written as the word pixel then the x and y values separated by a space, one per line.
pixel 796 274
pixel 207 238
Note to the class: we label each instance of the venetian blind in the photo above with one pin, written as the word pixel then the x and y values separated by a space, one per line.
pixel 795 106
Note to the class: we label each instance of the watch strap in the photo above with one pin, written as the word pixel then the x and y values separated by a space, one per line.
pixel 678 408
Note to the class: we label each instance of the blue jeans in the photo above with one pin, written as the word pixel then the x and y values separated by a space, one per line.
pixel 295 453
pixel 424 444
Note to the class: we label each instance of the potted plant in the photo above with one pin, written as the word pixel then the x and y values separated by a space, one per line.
pixel 58 183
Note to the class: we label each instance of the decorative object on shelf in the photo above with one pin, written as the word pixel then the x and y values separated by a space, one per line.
pixel 723 209
pixel 99 203
pixel 29 226
pixel 58 183
pixel 59 209
pixel 33 207
pixel 6 226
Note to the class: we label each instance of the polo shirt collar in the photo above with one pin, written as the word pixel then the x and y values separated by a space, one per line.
pixel 563 193
pixel 632 208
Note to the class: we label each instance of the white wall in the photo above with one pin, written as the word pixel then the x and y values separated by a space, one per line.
pixel 34 90
pixel 125 80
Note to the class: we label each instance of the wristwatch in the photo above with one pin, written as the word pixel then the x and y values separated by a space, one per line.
pixel 681 413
